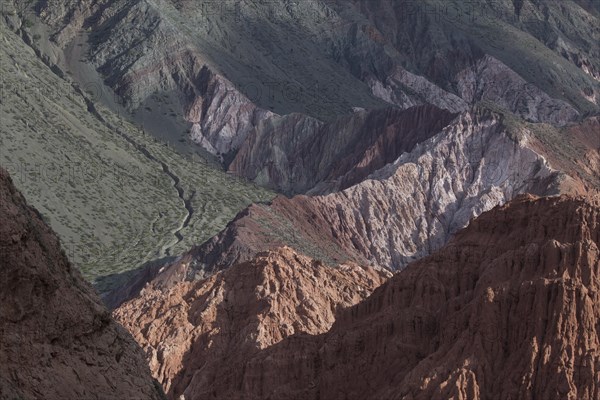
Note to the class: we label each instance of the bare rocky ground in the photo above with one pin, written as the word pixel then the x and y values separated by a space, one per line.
pixel 250 306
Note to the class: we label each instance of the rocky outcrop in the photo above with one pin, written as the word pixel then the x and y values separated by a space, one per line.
pixel 221 116
pixel 492 81
pixel 405 89
pixel 298 154
pixel 190 328
pixel 57 341
pixel 510 308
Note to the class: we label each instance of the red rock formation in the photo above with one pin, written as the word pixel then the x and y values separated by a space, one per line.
pixel 191 328
pixel 57 341
pixel 509 309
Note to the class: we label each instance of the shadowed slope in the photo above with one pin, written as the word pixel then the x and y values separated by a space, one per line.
pixel 57 341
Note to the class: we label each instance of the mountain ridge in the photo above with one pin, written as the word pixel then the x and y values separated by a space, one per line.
pixel 456 324
pixel 407 209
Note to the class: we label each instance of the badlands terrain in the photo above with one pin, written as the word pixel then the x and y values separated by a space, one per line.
pixel 280 199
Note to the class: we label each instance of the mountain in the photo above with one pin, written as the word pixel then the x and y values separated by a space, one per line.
pixel 57 340
pixel 393 89
pixel 250 306
pixel 412 206
pixel 241 179
pixel 233 70
pixel 538 59
pixel 508 309
pixel 117 197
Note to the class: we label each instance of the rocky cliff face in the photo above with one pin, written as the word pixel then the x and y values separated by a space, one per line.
pixel 190 328
pixel 57 341
pixel 221 116
pixel 459 327
pixel 508 309
pixel 306 155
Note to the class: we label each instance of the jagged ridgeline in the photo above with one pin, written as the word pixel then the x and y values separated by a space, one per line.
pixel 117 197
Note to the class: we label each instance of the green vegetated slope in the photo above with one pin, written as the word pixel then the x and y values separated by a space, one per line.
pixel 100 182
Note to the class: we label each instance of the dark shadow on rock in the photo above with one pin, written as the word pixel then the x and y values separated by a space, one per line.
pixel 126 285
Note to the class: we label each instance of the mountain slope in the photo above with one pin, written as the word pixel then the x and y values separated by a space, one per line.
pixel 116 197
pixel 412 207
pixel 429 67
pixel 57 340
pixel 298 154
pixel 250 306
pixel 486 44
pixel 536 60
pixel 510 308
